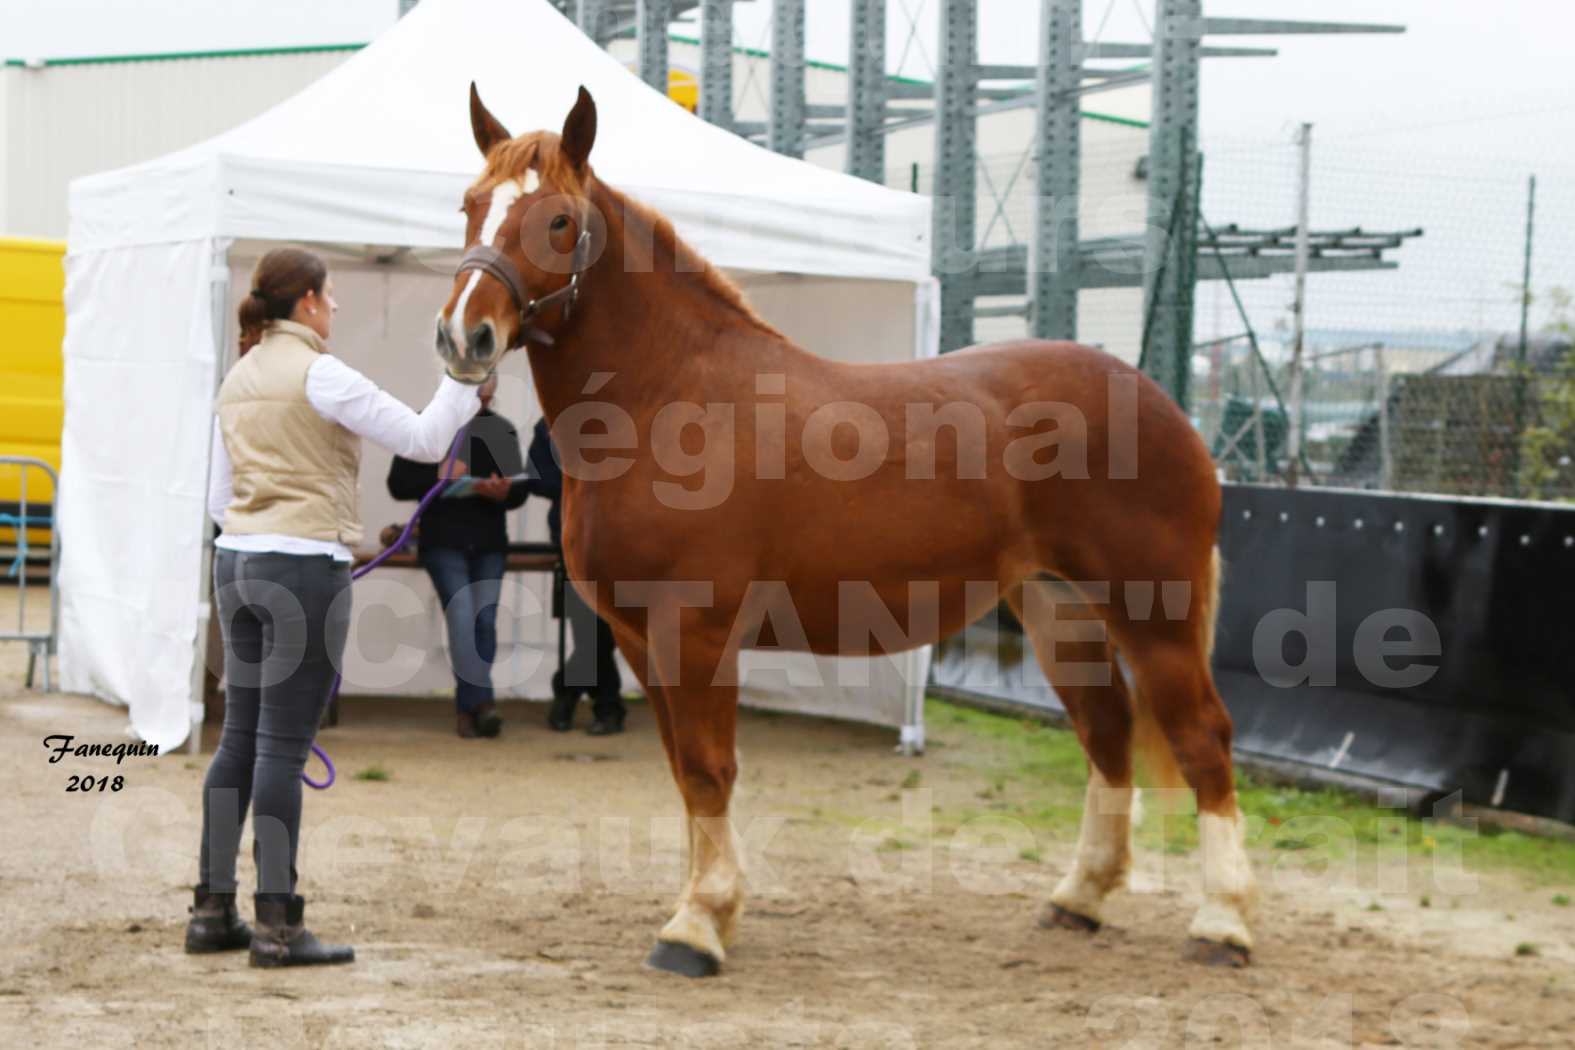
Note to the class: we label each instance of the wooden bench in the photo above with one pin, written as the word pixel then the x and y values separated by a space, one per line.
pixel 521 557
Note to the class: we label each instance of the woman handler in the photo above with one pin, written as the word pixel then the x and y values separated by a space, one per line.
pixel 286 453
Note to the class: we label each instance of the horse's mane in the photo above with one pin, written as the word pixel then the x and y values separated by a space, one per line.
pixel 686 260
pixel 539 149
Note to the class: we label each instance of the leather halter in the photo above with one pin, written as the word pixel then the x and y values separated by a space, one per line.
pixel 490 261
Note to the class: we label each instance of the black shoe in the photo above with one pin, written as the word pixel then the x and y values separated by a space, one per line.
pixel 282 939
pixel 607 722
pixel 215 925
pixel 488 722
pixel 560 716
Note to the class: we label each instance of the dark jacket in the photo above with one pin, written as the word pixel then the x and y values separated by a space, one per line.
pixel 470 523
pixel 545 478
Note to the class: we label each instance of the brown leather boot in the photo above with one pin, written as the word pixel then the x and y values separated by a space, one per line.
pixel 465 725
pixel 215 925
pixel 282 939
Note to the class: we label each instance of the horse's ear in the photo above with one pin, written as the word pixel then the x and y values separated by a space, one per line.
pixel 579 130
pixel 488 131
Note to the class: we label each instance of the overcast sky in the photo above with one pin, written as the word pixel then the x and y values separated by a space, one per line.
pixel 1454 113
pixel 1494 74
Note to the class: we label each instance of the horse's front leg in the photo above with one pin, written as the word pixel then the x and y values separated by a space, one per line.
pixel 702 715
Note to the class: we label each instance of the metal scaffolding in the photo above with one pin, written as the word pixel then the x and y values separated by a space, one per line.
pixel 955 193
pixel 1049 271
pixel 785 128
pixel 1053 257
pixel 1170 257
pixel 607 20
pixel 716 62
pixel 866 112
pixel 651 19
pixel 1171 245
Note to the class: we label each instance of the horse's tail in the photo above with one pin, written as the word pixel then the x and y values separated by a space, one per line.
pixel 1152 750
pixel 1149 742
pixel 1211 605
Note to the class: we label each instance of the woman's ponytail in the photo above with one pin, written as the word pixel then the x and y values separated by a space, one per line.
pixel 282 277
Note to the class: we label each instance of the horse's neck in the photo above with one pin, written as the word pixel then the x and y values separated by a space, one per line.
pixel 647 306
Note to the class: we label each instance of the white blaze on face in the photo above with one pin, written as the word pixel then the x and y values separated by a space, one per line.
pixel 504 196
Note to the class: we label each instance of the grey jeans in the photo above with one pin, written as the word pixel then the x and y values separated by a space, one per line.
pixel 284 618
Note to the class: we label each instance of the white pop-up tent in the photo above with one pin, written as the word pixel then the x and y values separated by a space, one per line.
pixel 368 166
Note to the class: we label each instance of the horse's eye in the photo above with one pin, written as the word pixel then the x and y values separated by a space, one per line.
pixel 560 224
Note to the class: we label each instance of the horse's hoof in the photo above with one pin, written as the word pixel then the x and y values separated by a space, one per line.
pixel 1056 917
pixel 683 960
pixel 1217 953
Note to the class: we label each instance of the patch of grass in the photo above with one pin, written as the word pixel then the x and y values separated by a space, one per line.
pixel 1029 855
pixel 912 780
pixel 1525 948
pixel 377 773
pixel 1318 826
pixel 1426 901
pixel 895 844
pixel 1561 900
pixel 1293 843
pixel 1375 906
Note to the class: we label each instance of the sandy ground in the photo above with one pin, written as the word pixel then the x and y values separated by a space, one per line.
pixel 504 893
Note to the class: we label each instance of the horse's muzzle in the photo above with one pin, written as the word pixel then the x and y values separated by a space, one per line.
pixel 473 367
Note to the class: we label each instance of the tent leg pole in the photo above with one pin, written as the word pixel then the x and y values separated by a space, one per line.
pixel 219 300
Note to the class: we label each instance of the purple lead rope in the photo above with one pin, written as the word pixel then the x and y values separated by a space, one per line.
pixel 383 555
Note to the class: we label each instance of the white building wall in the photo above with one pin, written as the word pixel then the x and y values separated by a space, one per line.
pixel 67 120
pixel 6 75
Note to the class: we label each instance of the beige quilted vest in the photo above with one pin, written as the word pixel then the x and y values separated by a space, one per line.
pixel 295 472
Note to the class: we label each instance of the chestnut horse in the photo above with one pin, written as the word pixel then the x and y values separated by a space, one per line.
pixel 851 521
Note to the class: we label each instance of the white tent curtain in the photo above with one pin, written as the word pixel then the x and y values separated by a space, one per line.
pixel 140 361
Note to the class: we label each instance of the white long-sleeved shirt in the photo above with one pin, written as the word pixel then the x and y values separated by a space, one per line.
pixel 342 395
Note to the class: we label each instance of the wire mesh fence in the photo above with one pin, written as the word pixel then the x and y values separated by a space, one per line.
pixel 1415 374
pixel 1450 373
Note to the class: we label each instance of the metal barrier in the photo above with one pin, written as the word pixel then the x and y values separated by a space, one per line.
pixel 20 517
pixel 1408 641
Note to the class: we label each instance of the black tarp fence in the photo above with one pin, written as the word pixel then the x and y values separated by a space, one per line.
pixel 1418 641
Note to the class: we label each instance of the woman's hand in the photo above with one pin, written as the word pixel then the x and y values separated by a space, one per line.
pixel 494 488
pixel 457 469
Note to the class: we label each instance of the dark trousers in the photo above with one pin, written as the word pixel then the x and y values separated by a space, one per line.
pixel 591 667
pixel 284 618
pixel 468 583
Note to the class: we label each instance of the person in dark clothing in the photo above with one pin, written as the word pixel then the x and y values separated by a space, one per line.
pixel 463 544
pixel 591 667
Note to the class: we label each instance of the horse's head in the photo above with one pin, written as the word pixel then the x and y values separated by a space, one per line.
pixel 527 239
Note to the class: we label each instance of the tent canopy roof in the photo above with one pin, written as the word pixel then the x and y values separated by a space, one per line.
pixel 380 150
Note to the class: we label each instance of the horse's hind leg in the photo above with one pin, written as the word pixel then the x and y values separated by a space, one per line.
pixel 1194 721
pixel 1170 661
pixel 1068 641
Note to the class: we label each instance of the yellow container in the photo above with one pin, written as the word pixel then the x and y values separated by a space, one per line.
pixel 32 327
